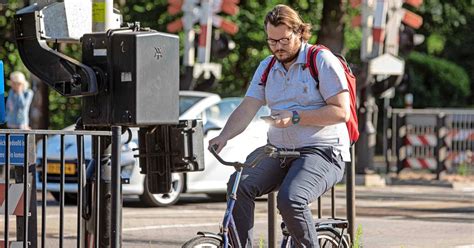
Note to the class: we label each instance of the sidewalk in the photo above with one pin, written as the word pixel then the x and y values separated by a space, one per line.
pixel 416 213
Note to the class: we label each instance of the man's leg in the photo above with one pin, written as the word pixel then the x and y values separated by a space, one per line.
pixel 259 180
pixel 307 179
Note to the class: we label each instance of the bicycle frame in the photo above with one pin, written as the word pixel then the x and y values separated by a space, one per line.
pixel 228 217
pixel 228 234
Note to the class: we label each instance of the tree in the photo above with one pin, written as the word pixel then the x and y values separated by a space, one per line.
pixel 39 114
pixel 448 27
pixel 331 33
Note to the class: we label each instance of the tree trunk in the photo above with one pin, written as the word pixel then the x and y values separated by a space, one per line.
pixel 331 33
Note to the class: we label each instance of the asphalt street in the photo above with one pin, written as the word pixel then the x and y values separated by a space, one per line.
pixel 391 216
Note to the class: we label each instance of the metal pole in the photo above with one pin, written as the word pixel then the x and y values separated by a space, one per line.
pixel 350 195
pixel 105 191
pixel 204 50
pixel 26 190
pixel 367 139
pixel 62 179
pixel 80 190
pixel 386 103
pixel 116 188
pixel 439 144
pixel 272 241
pixel 44 164
pixel 189 34
pixel 6 193
pixel 102 15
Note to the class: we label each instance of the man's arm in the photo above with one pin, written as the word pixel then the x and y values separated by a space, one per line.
pixel 237 122
pixel 336 111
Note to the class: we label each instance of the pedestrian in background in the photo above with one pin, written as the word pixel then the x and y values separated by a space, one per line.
pixel 18 102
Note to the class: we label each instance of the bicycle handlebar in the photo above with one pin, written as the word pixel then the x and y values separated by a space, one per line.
pixel 222 161
pixel 269 151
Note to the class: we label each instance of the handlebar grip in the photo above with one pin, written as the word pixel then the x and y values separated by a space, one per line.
pixel 288 154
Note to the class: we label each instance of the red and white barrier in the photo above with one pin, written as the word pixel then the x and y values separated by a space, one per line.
pixel 421 140
pixel 461 135
pixel 421 163
pixel 460 157
pixel 11 244
pixel 15 199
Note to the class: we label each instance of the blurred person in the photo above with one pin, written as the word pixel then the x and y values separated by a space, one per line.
pixel 306 117
pixel 18 102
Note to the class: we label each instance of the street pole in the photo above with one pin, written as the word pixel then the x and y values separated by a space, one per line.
pixel 189 34
pixel 373 26
pixel 102 15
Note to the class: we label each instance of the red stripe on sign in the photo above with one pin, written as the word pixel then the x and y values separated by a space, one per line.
pixel 11 244
pixel 20 206
pixel 407 141
pixel 424 163
pixel 16 197
pixel 202 36
pixel 423 140
pixel 378 35
pixel 413 20
pixel 406 164
pixel 471 136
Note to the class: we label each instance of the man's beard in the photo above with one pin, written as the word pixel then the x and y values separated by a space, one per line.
pixel 289 59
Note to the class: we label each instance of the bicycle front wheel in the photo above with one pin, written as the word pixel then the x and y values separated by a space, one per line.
pixel 202 242
pixel 330 238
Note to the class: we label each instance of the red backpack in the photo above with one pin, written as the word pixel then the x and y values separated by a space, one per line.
pixel 352 124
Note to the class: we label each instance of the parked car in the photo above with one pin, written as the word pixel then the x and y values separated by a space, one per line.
pixel 209 107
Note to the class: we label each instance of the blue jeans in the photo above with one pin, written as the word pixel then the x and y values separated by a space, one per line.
pixel 298 183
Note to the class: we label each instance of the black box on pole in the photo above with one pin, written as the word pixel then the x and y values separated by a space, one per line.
pixel 138 78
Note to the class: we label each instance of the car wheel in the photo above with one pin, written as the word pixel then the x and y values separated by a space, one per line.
pixel 164 200
pixel 69 198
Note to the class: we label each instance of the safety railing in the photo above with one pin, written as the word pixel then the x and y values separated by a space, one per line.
pixel 433 139
pixel 22 169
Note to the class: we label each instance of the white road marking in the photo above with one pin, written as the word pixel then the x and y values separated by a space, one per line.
pixel 131 229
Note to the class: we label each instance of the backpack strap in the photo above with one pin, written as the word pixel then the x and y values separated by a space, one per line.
pixel 311 62
pixel 263 79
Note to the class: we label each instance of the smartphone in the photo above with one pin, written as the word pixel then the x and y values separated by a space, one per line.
pixel 268 117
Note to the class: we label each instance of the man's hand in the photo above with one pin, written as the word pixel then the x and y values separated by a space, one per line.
pixel 283 118
pixel 219 142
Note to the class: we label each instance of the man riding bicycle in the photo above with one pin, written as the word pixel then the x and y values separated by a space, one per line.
pixel 306 115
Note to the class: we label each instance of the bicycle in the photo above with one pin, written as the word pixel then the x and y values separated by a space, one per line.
pixel 327 229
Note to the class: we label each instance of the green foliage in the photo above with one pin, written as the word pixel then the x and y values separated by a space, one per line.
pixel 448 26
pixel 435 44
pixel 8 51
pixel 238 67
pixel 64 111
pixel 436 82
pixel 358 238
pixel 261 242
pixel 464 169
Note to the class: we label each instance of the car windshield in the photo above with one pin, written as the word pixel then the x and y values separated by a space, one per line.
pixel 186 102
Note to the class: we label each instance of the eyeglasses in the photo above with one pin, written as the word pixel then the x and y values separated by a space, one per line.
pixel 283 41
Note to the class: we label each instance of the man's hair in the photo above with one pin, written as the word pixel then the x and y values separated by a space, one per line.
pixel 284 15
pixel 19 77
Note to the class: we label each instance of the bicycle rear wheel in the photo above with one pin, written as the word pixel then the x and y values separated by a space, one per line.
pixel 329 237
pixel 202 242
